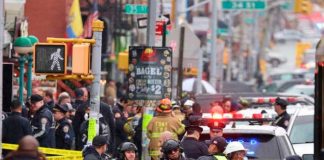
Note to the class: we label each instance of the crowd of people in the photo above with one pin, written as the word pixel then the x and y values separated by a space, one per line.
pixel 63 124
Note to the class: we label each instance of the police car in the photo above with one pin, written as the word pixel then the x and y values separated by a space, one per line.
pixel 301 131
pixel 262 141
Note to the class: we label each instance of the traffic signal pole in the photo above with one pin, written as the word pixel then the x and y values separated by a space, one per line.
pixel 319 102
pixel 97 28
pixel 1 64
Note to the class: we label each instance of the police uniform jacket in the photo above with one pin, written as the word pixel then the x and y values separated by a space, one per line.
pixel 193 148
pixel 64 134
pixel 282 120
pixel 43 127
pixel 15 127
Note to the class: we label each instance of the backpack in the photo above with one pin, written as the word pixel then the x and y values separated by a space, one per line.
pixel 104 130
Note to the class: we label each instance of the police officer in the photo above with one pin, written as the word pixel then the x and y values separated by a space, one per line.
pixel 127 151
pixel 64 134
pixel 282 120
pixel 193 148
pixel 42 121
pixel 216 129
pixel 16 124
pixel 172 150
pixel 215 149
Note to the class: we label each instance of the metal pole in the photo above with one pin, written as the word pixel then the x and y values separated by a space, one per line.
pixel 97 28
pixel 180 62
pixel 213 56
pixel 1 64
pixel 21 78
pixel 229 47
pixel 150 36
pixel 200 71
pixel 29 74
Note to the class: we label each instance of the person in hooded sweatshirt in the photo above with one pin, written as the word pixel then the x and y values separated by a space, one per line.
pixel 97 150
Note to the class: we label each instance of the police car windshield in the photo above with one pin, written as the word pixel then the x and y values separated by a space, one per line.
pixel 259 146
pixel 304 124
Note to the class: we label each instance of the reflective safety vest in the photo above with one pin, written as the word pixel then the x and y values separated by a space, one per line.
pixel 218 157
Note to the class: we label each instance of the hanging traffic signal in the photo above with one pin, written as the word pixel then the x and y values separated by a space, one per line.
pixel 303 6
pixel 81 59
pixel 123 61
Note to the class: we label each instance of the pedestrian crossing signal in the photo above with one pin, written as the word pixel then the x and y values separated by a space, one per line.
pixel 50 58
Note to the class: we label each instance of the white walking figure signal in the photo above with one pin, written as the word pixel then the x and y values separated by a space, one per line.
pixel 56 56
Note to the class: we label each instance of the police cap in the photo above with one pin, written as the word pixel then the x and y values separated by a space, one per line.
pixel 281 102
pixel 216 126
pixel 35 98
pixel 194 127
pixel 60 108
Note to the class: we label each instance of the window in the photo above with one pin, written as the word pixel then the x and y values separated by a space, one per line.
pixel 306 125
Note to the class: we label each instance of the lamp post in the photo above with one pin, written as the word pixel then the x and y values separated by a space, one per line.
pixel 22 46
pixel 33 41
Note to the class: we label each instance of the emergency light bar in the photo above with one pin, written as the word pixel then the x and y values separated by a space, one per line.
pixel 232 117
pixel 272 100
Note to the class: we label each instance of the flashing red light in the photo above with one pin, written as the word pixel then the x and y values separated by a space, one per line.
pixel 238 115
pixel 261 100
pixel 291 99
pixel 257 116
pixel 272 100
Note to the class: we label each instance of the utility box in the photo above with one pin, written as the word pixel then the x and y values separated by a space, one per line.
pixel 81 59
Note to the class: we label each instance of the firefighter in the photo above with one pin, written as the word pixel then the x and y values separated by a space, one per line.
pixel 164 121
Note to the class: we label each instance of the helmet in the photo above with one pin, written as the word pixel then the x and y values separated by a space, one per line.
pixel 128 146
pixel 170 145
pixel 233 147
pixel 165 101
pixel 165 106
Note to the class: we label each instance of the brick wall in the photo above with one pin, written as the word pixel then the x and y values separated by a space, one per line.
pixel 47 18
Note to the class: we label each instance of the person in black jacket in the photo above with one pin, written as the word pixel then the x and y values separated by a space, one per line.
pixel 43 125
pixel 121 118
pixel 15 126
pixel 64 134
pixel 191 145
pixel 97 150
pixel 216 148
pixel 282 120
pixel 172 150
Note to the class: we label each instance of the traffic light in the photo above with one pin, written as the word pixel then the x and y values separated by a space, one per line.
pixel 80 58
pixel 50 58
pixel 303 6
pixel 123 61
pixel 300 50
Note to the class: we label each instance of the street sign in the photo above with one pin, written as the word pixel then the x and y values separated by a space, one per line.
pixel 50 58
pixel 149 73
pixel 190 50
pixel 222 31
pixel 136 9
pixel 244 5
pixel 159 28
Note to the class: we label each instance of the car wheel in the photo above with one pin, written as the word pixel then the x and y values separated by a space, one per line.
pixel 275 62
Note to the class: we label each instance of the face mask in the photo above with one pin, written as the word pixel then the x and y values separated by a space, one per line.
pixel 86 116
